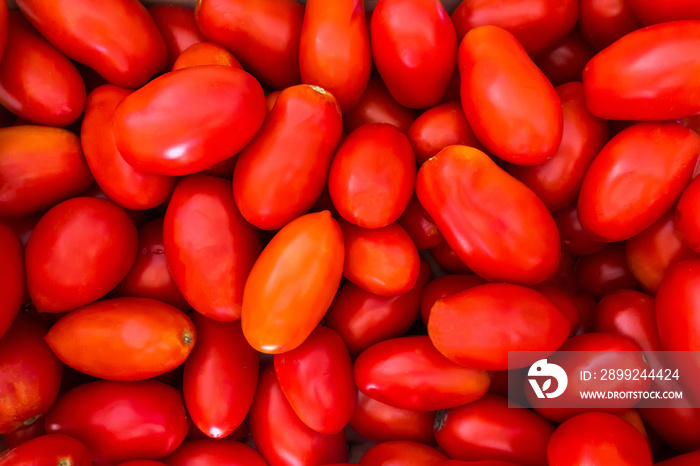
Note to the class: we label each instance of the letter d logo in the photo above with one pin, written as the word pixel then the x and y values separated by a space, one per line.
pixel 542 368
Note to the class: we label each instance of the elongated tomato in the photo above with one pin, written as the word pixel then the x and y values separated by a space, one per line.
pixel 271 187
pixel 205 53
pixel 293 283
pixel 202 116
pixel 496 225
pixel 50 449
pixel 12 276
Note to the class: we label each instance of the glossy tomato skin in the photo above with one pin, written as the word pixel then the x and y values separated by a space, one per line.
pixel 214 452
pixel 605 271
pixel 687 219
pixel 378 106
pixel 37 82
pixel 604 22
pixel 122 42
pixel 657 65
pixel 516 239
pixel 420 226
pixel 558 180
pixel 281 437
pixel 565 62
pixel 203 115
pixel 220 377
pixel 12 276
pixel 372 175
pixel 444 286
pixel 270 187
pixel 574 238
pixel 49 449
pixel 264 35
pixel 629 313
pixel 209 247
pixel 598 438
pixel 68 249
pixel 129 187
pixel 509 103
pixel 39 167
pixel 414 48
pixel 334 49
pixel 402 452
pixel 205 53
pixel 29 379
pixel 636 178
pixel 650 12
pixel 293 283
pixel 178 28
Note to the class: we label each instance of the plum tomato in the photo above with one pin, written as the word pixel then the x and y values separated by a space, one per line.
pixel 51 449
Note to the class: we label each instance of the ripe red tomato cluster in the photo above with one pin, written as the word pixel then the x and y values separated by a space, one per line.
pixel 261 232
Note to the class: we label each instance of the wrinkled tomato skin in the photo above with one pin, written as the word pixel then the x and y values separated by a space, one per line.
pixel 647 75
pixel 202 116
pixel 496 225
pixel 602 22
pixel 510 105
pixel 293 283
pixel 574 238
pixel 442 287
pixel 629 313
pixel 558 180
pixel 420 226
pixel 209 247
pixel 372 176
pixel 264 35
pixel 317 380
pixel 651 12
pixel 178 28
pixel 37 82
pixel 687 219
pixel 270 187
pixel 205 53
pixel 129 187
pixel 565 62
pixel 488 429
pixel 12 277
pixel 281 437
pixel 214 452
pixel 334 50
pixel 122 42
pixel 402 452
pixel 378 106
pixel 222 367
pixel 68 249
pixel 39 167
pixel 30 380
pixel 49 449
pixel 605 271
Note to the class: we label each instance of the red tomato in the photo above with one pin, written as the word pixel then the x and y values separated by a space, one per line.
pixel 651 12
pixel 511 106
pixel 574 238
pixel 629 313
pixel 178 27
pixel 495 224
pixel 53 449
pixel 37 82
pixel 444 286
pixel 488 429
pixel 565 62
pixel 127 186
pixel 677 312
pixel 214 452
pixel 12 277
pixel 209 246
pixel 378 106
pixel 447 259
pixel 414 47
pixel 597 438
pixel 281 437
pixel 334 50
pixel 117 38
pixel 687 220
pixel 202 116
pixel 29 380
pixel 605 271
pixel 602 22
pixel 220 377
pixel 420 226
pixel 317 380
pixel 3 28
pixel 68 250
pixel 537 24
pixel 372 175
pixel 563 301
pixel 205 53
pixel 39 167
pixel 271 188
pixel 649 75
pixel 402 453
pixel 293 283
pixel 558 180
pixel 263 34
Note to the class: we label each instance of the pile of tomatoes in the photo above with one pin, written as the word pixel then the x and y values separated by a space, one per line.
pixel 261 232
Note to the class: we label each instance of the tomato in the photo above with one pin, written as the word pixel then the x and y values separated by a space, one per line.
pixel 3 28
pixel 263 34
pixel 209 247
pixel 602 22
pixel 646 75
pixel 49 449
pixel 214 452
pixel 574 238
pixel 12 276
pixel 495 224
pixel 380 422
pixel 23 434
pixel 636 178
pixel 558 180
pixel 605 271
pixel 29 380
pixel 281 437
pixel 511 106
pixel 205 53
pixel 402 453
pixel 597 438
pixel 37 82
pixel 317 380
pixel 378 106
pixel 488 429
pixel 650 12
pixel 687 219
pixel 447 259
pixel 372 175
pixel 220 377
pixel 293 283
pixel 563 301
pixel 202 116
pixel 420 226
pixel 39 167
pixel 334 50
pixel 444 286
pixel 414 48
pixel 178 28
pixel 363 318
pixel 565 62
pixel 629 313
pixel 117 38
pixel 271 188
pixel 689 459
